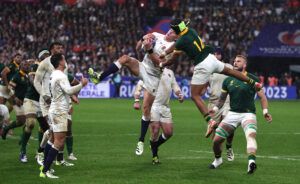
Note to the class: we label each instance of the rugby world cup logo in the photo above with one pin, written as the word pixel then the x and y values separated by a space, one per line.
pixel 292 39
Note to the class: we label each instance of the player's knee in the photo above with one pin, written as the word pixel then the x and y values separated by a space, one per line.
pixel 124 59
pixel 168 134
pixel 30 122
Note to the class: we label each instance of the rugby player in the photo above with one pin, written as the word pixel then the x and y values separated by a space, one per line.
pixel 60 91
pixel 161 117
pixel 148 70
pixel 242 112
pixel 215 83
pixel 205 64
pixel 17 89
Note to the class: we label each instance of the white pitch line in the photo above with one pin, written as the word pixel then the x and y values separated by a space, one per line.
pixel 281 157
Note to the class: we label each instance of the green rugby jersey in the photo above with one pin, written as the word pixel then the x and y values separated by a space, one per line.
pixel 70 78
pixel 190 42
pixel 31 92
pixel 14 69
pixel 241 94
pixel 21 81
pixel 2 66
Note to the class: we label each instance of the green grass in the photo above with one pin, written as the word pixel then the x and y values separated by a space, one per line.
pixel 105 136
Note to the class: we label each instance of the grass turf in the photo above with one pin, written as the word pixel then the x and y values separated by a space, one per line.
pixel 106 133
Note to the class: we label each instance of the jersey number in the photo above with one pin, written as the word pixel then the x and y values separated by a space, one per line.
pixel 201 46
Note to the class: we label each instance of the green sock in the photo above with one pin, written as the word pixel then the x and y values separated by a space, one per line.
pixel 69 143
pixel 24 141
pixel 251 157
pixel 228 146
pixel 12 125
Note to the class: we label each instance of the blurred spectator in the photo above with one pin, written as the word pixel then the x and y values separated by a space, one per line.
pixel 272 80
pixel 97 32
pixel 297 84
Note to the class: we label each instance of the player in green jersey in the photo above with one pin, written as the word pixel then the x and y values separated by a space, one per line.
pixel 18 86
pixel 32 110
pixel 6 74
pixel 205 64
pixel 242 112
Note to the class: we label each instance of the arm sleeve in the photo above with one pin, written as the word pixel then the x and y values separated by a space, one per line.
pixel 175 85
pixel 66 87
pixel 224 85
pixel 38 78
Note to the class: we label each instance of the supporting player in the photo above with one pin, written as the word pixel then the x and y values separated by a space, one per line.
pixel 60 91
pixel 18 86
pixel 161 117
pixel 242 112
pixel 205 64
pixel 215 83
pixel 41 84
pixel 148 71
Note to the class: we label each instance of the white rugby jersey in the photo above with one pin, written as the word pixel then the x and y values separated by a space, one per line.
pixel 60 90
pixel 42 76
pixel 215 82
pixel 160 45
pixel 167 83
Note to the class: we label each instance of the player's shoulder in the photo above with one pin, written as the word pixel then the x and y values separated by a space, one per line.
pixel 57 74
pixel 168 72
pixel 252 76
pixel 157 35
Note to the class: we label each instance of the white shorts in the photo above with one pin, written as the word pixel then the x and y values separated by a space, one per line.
pixel 161 113
pixel 151 82
pixel 236 119
pixel 4 113
pixel 32 107
pixel 203 70
pixel 4 92
pixel 44 106
pixel 221 113
pixel 59 122
pixel 19 110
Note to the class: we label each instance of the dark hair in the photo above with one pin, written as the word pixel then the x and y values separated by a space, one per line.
pixel 53 44
pixel 55 59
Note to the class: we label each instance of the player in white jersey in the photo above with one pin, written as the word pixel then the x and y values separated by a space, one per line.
pixel 148 70
pixel 215 83
pixel 161 116
pixel 41 84
pixel 60 91
pixel 4 114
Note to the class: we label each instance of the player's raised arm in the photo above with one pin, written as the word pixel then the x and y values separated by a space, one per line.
pixel 71 90
pixel 176 89
pixel 264 105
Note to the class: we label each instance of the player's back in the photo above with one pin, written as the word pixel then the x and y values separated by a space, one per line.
pixel 166 85
pixel 59 99
pixel 159 46
pixel 45 69
pixel 192 45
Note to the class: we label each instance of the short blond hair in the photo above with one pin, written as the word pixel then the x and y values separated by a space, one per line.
pixel 242 56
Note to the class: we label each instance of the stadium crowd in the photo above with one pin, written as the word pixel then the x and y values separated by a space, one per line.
pixel 96 34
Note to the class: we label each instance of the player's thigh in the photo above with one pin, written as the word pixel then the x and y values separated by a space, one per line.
pixel 131 63
pixel 233 119
pixel 59 122
pixel 198 90
pixel 151 81
pixel 249 123
pixel 147 102
pixel 203 70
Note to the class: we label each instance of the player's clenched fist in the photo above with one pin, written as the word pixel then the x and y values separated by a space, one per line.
pixel 84 81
